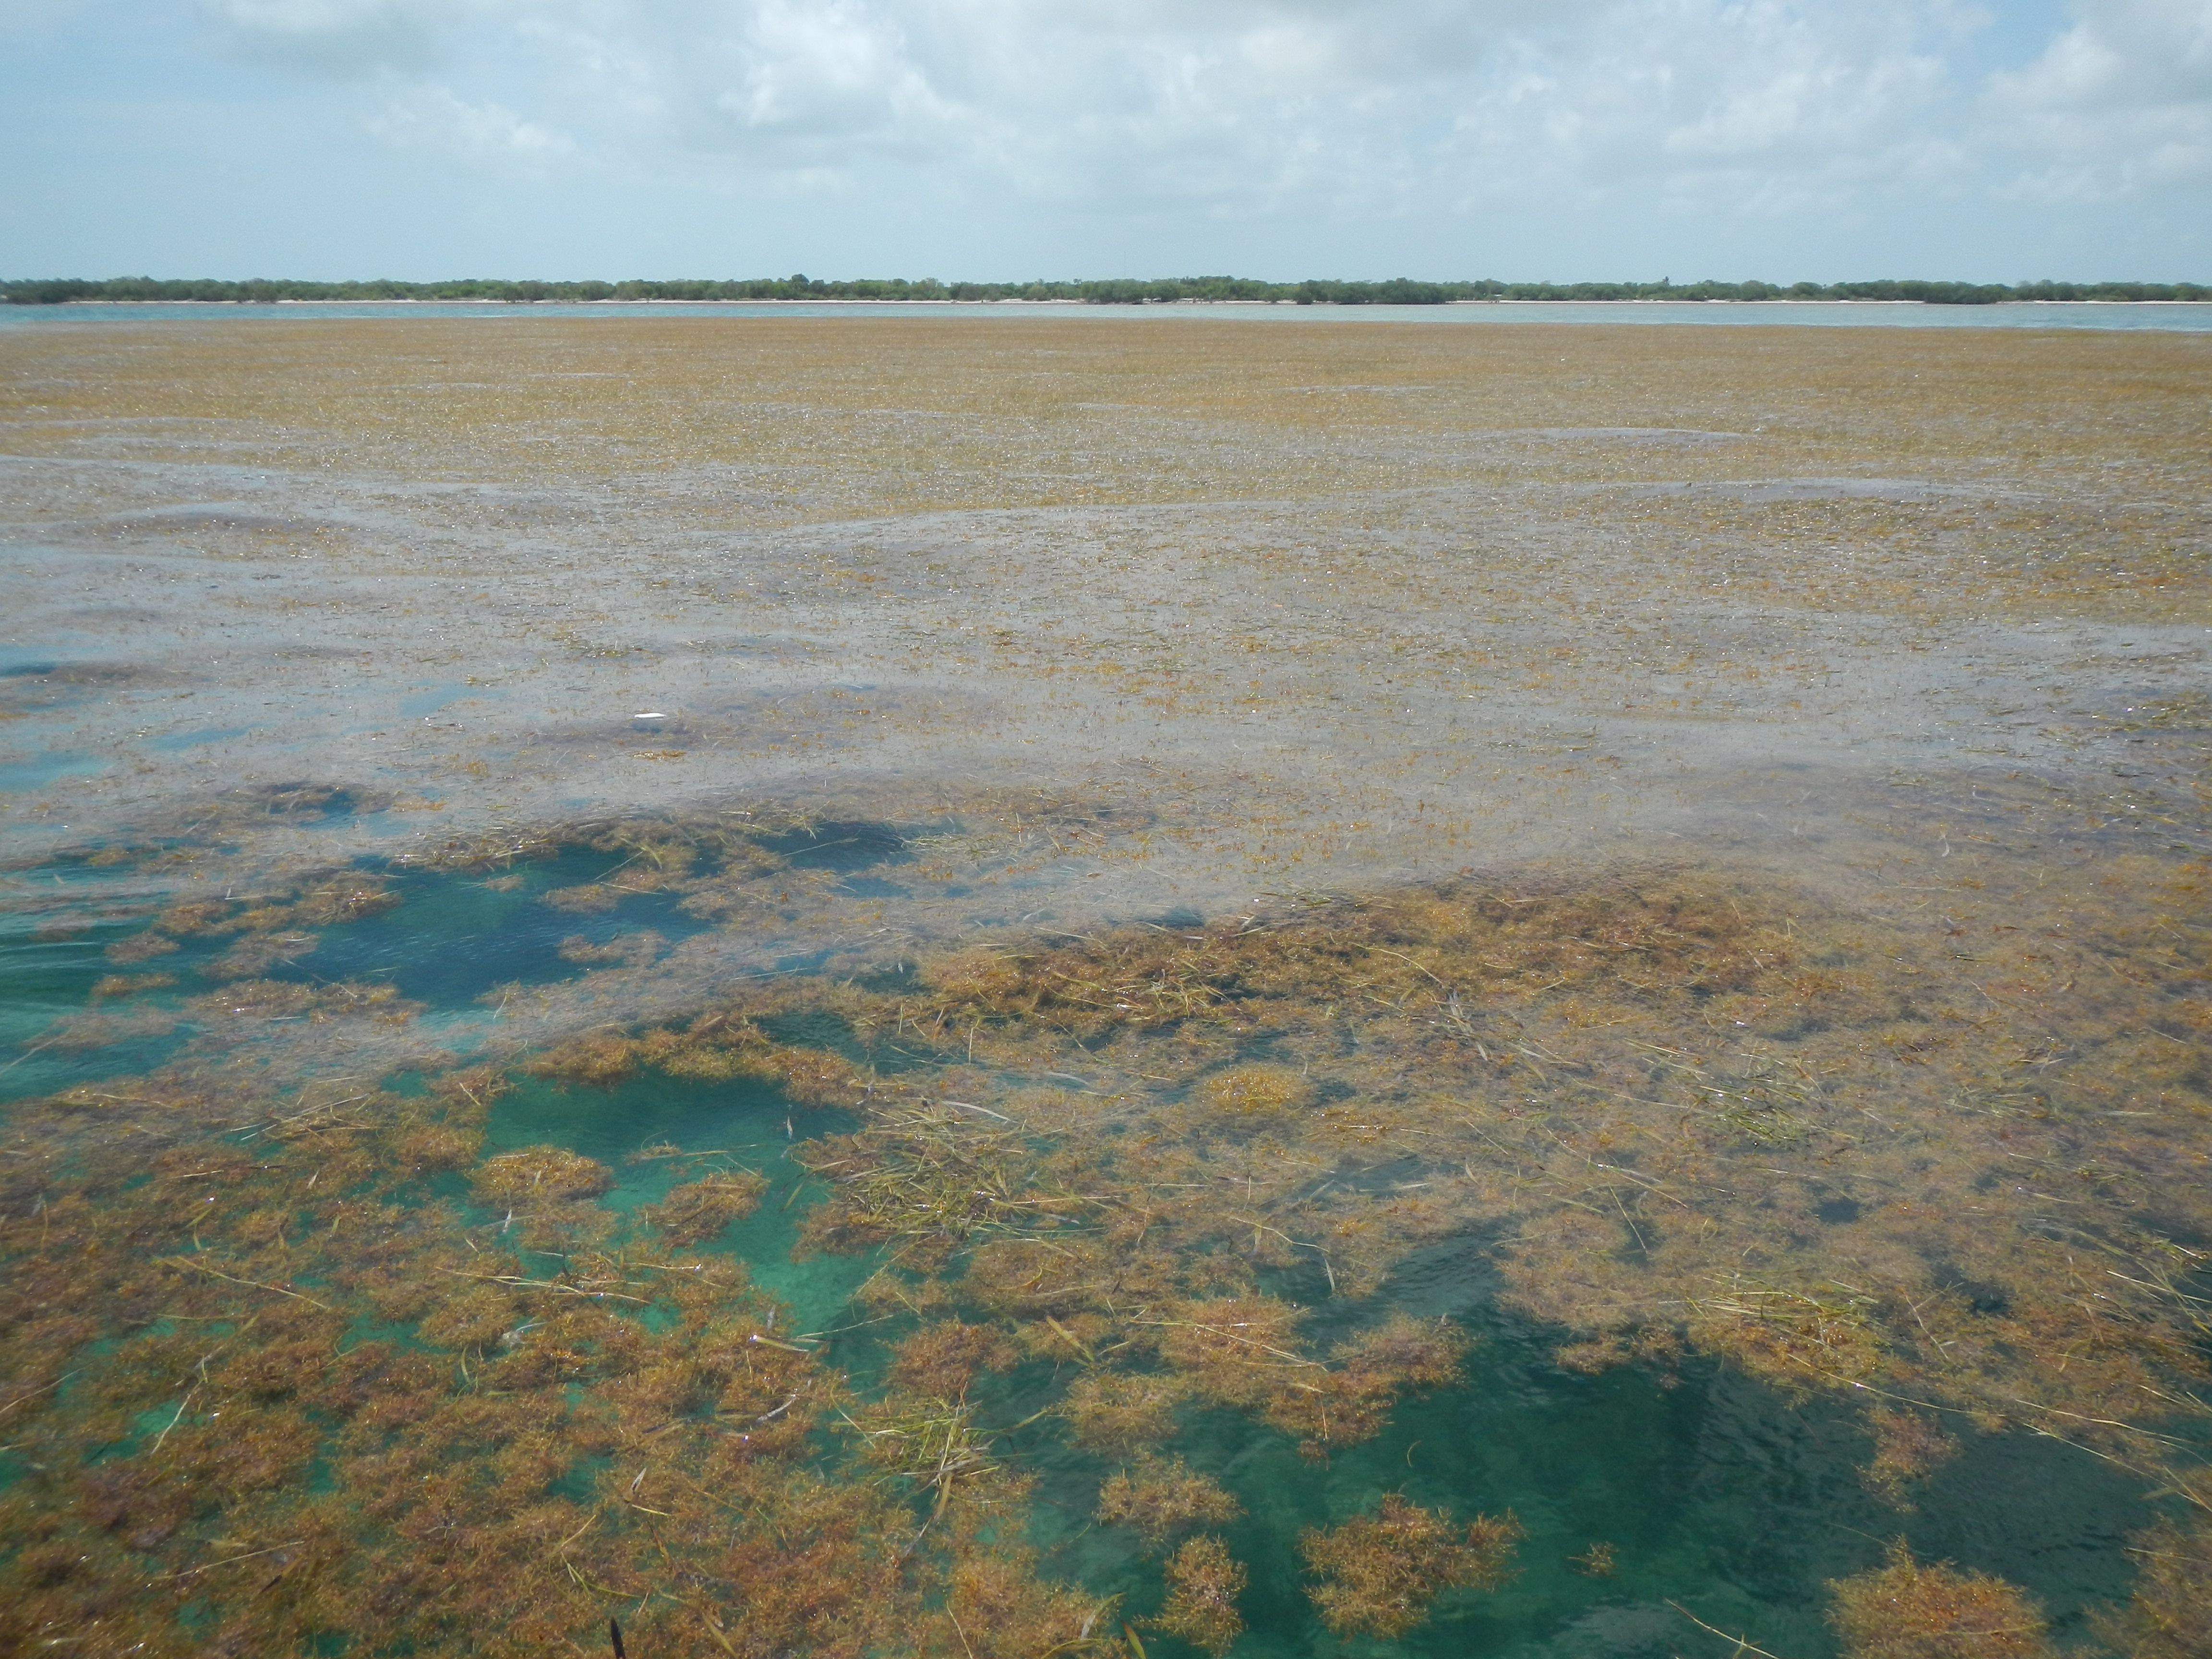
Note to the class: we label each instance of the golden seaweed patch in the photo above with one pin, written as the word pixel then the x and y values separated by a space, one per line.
pixel 697 1210
pixel 1204 1580
pixel 1904 1610
pixel 535 1175
pixel 1161 1498
pixel 1378 1574
pixel 1254 1090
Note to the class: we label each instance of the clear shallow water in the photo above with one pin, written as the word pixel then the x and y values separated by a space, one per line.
pixel 1945 976
pixel 458 942
pixel 752 1126
pixel 1715 1492
pixel 43 771
pixel 490 936
pixel 2179 317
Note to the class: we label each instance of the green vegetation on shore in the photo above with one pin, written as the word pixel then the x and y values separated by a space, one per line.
pixel 1398 291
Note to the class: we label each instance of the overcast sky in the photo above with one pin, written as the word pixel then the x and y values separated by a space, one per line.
pixel 1557 139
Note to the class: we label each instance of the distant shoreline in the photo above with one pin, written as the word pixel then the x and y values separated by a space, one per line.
pixel 1086 304
pixel 2191 317
pixel 1154 305
pixel 1395 292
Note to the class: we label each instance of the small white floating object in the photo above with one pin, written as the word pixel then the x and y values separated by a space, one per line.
pixel 650 715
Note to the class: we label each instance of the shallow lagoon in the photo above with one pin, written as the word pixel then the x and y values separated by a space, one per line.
pixel 1626 946
pixel 1715 1491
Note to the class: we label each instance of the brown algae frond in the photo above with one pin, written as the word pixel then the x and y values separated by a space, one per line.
pixel 541 1175
pixel 1905 1610
pixel 1204 1580
pixel 697 1210
pixel 1379 1573
pixel 1163 1497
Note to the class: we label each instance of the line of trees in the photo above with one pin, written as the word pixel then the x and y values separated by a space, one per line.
pixel 1398 291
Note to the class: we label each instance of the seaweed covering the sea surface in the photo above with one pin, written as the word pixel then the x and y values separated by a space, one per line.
pixel 998 990
pixel 349 1373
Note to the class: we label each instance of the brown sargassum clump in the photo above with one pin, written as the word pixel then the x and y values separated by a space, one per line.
pixel 540 1175
pixel 276 1396
pixel 1906 1610
pixel 1951 1167
pixel 697 1210
pixel 1161 1497
pixel 1379 1573
pixel 1204 1580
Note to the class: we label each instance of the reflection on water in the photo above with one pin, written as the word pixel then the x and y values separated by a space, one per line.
pixel 45 770
pixel 193 739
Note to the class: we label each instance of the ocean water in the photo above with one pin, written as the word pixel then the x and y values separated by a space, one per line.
pixel 720 978
pixel 1719 1494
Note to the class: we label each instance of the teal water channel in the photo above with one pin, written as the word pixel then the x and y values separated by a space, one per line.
pixel 1720 1497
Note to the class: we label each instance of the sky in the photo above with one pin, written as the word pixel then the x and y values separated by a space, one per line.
pixel 1786 140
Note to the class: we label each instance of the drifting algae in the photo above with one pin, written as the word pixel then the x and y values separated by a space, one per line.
pixel 1235 1083
pixel 1379 1573
pixel 1593 1073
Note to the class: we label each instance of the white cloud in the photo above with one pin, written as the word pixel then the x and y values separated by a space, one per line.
pixel 1338 111
pixel 432 117
pixel 2119 101
pixel 827 70
pixel 1734 105
pixel 1146 97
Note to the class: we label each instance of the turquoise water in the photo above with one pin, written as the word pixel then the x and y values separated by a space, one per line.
pixel 43 771
pixel 53 953
pixel 489 935
pixel 454 942
pixel 749 1125
pixel 1715 1492
pixel 2182 317
pixel 451 942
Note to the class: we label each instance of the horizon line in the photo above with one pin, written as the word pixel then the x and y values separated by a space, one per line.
pixel 1398 291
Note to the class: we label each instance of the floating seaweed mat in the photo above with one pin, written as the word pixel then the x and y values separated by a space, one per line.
pixel 1717 1492
pixel 324 1404
pixel 1553 1203
pixel 1520 1432
pixel 102 949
